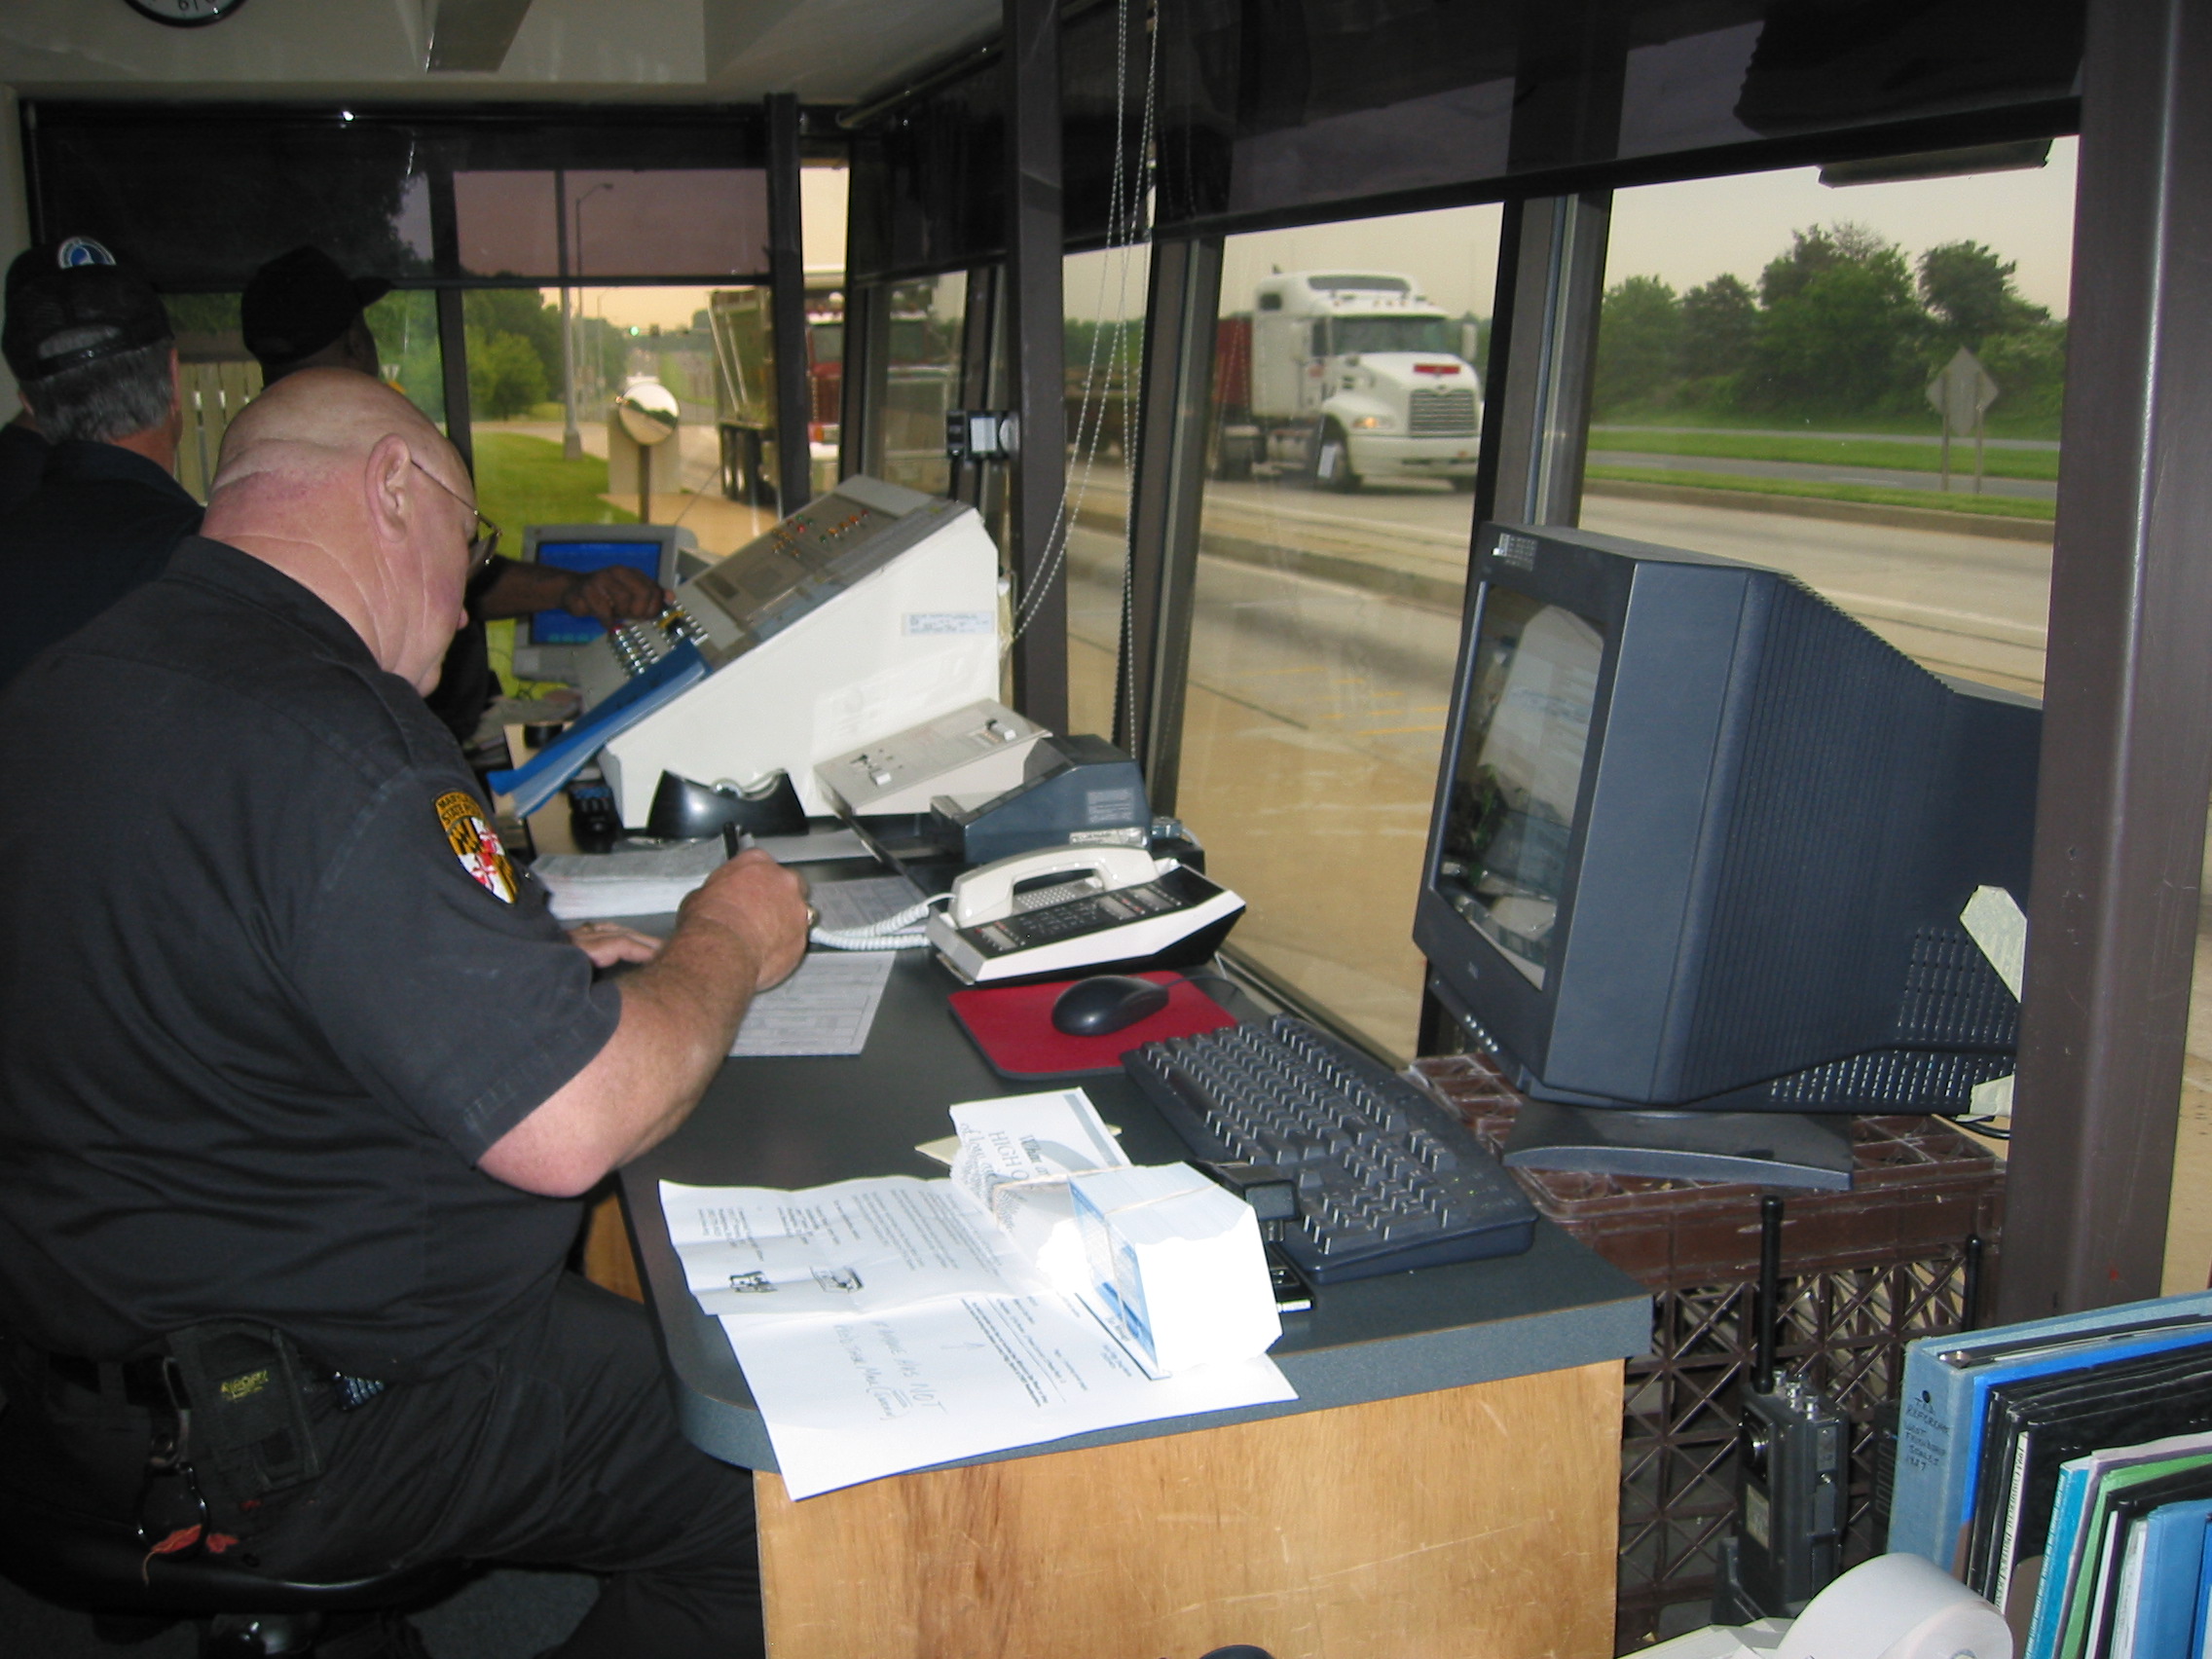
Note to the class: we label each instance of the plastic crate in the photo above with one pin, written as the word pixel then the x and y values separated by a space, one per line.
pixel 1864 1272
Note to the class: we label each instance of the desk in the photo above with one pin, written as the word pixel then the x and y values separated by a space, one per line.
pixel 1444 1484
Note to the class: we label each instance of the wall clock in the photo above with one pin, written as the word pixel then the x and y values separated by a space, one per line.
pixel 185 14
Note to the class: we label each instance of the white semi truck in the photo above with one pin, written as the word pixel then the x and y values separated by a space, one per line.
pixel 1344 376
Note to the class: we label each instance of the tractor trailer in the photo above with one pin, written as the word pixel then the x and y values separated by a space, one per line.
pixel 1343 376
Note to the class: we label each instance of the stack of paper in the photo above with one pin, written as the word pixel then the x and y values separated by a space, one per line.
pixel 886 1324
pixel 626 882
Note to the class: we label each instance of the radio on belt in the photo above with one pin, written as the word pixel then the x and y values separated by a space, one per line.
pixel 1072 789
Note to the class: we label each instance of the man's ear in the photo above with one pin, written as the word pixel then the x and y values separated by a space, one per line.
pixel 383 485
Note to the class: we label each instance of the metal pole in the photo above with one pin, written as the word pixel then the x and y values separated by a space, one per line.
pixel 572 440
pixel 2127 713
pixel 453 332
pixel 787 305
pixel 1035 249
pixel 1168 480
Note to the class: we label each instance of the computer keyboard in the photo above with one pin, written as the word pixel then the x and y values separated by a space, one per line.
pixel 1387 1178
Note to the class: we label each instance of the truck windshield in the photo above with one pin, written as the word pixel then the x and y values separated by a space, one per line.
pixel 1349 334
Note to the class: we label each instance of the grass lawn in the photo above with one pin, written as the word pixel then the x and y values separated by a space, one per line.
pixel 1831 452
pixel 523 480
pixel 1921 423
pixel 1995 506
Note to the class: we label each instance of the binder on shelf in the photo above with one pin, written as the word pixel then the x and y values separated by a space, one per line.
pixel 1947 1385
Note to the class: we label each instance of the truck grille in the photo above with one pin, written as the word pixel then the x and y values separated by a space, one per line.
pixel 1441 414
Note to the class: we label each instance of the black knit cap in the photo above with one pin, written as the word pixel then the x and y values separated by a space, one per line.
pixel 63 287
pixel 299 302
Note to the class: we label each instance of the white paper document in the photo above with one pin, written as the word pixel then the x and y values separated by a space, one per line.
pixel 855 1247
pixel 855 1399
pixel 862 901
pixel 828 1007
pixel 626 882
pixel 888 1324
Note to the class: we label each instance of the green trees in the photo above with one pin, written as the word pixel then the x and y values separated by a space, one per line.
pixel 514 351
pixel 1841 325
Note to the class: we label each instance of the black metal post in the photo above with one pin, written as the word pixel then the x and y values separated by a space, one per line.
pixel 1035 249
pixel 2127 704
pixel 1167 480
pixel 453 332
pixel 786 304
pixel 1769 1311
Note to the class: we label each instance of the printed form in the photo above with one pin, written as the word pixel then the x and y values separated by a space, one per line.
pixel 886 1324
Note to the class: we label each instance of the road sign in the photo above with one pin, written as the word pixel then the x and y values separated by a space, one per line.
pixel 1961 392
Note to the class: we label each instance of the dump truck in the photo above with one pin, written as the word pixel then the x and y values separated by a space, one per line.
pixel 1341 376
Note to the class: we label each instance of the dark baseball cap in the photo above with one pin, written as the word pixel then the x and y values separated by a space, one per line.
pixel 299 302
pixel 65 287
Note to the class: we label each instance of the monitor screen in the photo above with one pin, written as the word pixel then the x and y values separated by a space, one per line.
pixel 1511 812
pixel 559 627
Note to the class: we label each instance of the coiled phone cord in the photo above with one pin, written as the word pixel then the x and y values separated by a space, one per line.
pixel 893 933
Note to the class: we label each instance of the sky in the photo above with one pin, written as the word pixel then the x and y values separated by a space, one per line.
pixel 1683 234
pixel 1689 234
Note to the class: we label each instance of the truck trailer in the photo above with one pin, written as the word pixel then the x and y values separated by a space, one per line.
pixel 1342 376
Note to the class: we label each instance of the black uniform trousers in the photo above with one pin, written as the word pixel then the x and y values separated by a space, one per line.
pixel 559 1448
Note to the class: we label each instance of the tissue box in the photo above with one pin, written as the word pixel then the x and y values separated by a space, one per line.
pixel 1178 1262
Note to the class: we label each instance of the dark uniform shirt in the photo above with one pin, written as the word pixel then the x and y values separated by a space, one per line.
pixel 23 460
pixel 267 993
pixel 102 520
pixel 466 683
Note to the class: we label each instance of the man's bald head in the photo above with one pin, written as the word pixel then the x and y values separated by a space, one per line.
pixel 341 484
pixel 318 420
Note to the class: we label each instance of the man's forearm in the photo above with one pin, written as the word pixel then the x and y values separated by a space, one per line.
pixel 745 929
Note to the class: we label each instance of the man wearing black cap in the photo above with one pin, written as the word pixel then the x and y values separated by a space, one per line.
pixel 91 349
pixel 301 311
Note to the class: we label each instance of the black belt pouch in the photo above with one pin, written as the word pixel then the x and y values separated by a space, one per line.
pixel 249 1417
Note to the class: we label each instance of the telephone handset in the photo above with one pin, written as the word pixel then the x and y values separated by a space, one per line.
pixel 1080 907
pixel 1050 875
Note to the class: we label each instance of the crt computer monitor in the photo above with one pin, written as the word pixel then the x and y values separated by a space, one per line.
pixel 1700 847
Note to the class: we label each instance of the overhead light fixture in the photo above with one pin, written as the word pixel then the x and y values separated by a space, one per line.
pixel 2019 156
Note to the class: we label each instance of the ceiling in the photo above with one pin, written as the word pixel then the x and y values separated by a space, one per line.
pixel 593 50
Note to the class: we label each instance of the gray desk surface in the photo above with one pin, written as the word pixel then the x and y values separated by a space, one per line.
pixel 803 1122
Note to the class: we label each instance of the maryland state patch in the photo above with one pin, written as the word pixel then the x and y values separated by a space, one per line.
pixel 477 844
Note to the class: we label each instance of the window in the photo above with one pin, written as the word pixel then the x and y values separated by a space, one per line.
pixel 1103 299
pixel 1765 351
pixel 1332 568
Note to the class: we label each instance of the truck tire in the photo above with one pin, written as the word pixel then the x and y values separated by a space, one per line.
pixel 1332 460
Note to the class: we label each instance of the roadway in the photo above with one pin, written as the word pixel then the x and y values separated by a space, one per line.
pixel 1316 702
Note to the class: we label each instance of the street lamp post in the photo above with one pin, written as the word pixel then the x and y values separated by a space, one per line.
pixel 571 438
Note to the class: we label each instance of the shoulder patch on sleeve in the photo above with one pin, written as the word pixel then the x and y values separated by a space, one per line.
pixel 477 844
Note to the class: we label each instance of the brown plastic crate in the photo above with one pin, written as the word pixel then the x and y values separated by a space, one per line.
pixel 1864 1272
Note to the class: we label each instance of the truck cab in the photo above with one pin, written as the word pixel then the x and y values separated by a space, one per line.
pixel 1347 376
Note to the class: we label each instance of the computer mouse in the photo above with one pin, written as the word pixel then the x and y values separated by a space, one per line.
pixel 1106 1002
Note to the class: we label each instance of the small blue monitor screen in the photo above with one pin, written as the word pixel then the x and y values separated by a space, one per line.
pixel 559 627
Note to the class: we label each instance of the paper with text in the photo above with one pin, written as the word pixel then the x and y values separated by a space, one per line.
pixel 852 1400
pixel 856 1247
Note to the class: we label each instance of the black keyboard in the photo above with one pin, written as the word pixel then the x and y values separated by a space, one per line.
pixel 1387 1178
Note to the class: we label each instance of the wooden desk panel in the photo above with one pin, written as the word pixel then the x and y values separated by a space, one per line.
pixel 1478 1522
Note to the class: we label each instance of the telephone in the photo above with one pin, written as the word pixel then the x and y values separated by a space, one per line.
pixel 1080 907
pixel 1029 881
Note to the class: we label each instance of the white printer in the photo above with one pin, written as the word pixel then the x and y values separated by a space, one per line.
pixel 869 608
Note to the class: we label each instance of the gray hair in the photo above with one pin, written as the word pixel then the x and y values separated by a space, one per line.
pixel 106 399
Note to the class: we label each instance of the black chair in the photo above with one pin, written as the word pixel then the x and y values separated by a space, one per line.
pixel 101 1570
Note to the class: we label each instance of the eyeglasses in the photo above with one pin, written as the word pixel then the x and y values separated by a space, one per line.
pixel 485 541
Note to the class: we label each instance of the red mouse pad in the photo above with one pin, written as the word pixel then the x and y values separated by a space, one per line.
pixel 1013 1026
